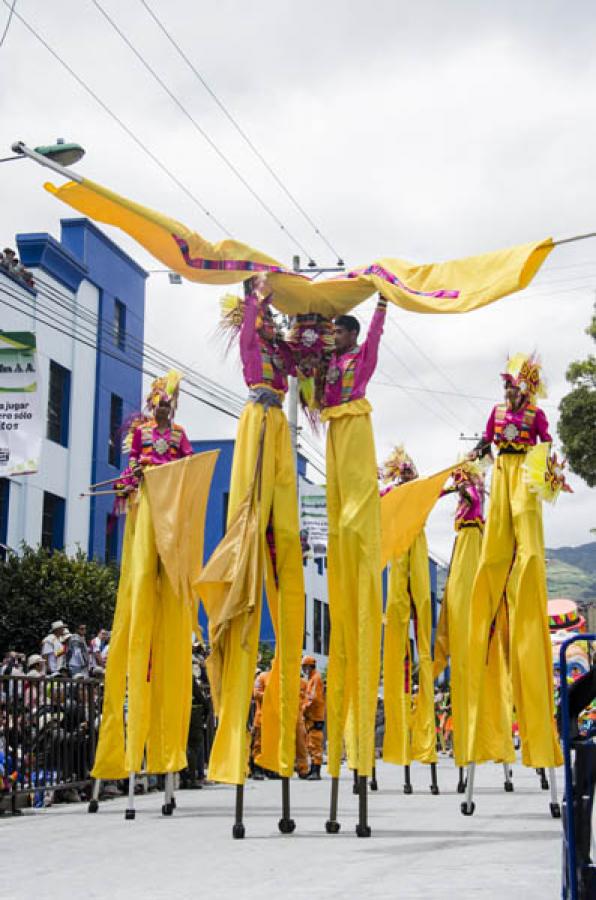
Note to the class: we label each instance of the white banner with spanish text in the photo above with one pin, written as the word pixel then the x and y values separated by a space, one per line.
pixel 313 520
pixel 20 413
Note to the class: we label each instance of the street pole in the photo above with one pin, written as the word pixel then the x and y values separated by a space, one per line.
pixel 293 397
pixel 293 382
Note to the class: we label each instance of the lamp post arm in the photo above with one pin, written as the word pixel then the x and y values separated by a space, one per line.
pixel 21 148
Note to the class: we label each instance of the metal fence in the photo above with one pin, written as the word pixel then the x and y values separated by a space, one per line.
pixel 48 734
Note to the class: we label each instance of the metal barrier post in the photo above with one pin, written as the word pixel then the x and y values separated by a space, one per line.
pixel 570 849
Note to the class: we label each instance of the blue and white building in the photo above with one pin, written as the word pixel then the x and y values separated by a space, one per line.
pixel 88 314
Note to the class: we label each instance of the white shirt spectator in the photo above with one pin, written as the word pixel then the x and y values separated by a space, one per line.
pixel 54 653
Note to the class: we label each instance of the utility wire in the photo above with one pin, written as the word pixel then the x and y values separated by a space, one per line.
pixel 103 330
pixel 201 130
pixel 8 21
pixel 54 322
pixel 447 378
pixel 201 78
pixel 122 124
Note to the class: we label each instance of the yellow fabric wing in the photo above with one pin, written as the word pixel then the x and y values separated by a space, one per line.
pixel 456 286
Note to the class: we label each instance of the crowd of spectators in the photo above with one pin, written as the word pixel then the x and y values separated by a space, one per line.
pixel 10 265
pixel 50 711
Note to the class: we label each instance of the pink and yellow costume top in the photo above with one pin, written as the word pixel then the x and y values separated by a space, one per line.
pixel 349 373
pixel 265 364
pixel 470 509
pixel 515 431
pixel 152 447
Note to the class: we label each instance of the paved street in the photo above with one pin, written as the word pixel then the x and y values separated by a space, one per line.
pixel 422 847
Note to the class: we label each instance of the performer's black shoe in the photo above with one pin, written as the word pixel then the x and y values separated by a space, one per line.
pixel 314 774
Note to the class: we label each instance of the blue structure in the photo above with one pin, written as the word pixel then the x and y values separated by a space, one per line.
pixel 217 512
pixel 86 253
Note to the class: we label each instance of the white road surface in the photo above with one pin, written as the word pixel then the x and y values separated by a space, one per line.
pixel 421 846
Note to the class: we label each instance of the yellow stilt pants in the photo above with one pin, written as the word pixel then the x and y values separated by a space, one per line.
pixel 152 644
pixel 409 735
pixel 229 754
pixel 513 558
pixel 354 578
pixel 494 722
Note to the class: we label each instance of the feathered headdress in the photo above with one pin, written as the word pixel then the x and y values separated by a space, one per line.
pixel 166 387
pixel 525 372
pixel 468 470
pixel 232 316
pixel 397 464
pixel 544 473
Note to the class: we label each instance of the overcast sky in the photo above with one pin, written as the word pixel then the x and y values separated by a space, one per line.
pixel 425 131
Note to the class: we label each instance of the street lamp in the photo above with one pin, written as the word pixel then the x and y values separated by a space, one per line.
pixel 53 156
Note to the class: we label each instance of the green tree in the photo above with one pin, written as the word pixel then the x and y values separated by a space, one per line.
pixel 38 587
pixel 577 425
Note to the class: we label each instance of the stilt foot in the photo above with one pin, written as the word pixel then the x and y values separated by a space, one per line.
pixel 461 787
pixel 286 826
pixel 555 810
pixel 434 789
pixel 129 814
pixel 238 831
pixel 363 830
pixel 374 785
pixel 167 809
pixel 468 810
pixel 332 827
pixel 408 789
pixel 93 806
pixel 508 787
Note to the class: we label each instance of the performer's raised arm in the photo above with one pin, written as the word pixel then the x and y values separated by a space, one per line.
pixel 370 347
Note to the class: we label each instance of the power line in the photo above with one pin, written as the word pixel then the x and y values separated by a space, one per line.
pixel 201 78
pixel 53 321
pixel 8 21
pixel 425 356
pixel 200 129
pixel 122 124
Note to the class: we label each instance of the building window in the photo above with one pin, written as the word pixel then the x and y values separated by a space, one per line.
pixel 4 494
pixel 115 425
pixel 58 404
pixel 52 523
pixel 120 324
pixel 327 629
pixel 317 627
pixel 305 630
pixel 111 545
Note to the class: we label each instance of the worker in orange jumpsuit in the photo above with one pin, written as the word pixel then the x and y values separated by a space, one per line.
pixel 258 693
pixel 302 766
pixel 314 716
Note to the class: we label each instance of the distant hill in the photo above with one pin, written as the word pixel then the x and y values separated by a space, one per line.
pixel 571 572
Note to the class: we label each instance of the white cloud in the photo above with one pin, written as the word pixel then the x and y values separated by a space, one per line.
pixel 425 131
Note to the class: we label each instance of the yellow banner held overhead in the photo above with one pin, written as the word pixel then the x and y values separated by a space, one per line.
pixel 456 286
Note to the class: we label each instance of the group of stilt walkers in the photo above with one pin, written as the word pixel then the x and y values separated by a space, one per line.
pixel 493 631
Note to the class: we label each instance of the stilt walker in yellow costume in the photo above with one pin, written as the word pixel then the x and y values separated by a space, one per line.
pixel 494 723
pixel 149 666
pixel 354 553
pixel 410 731
pixel 263 497
pixel 512 561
